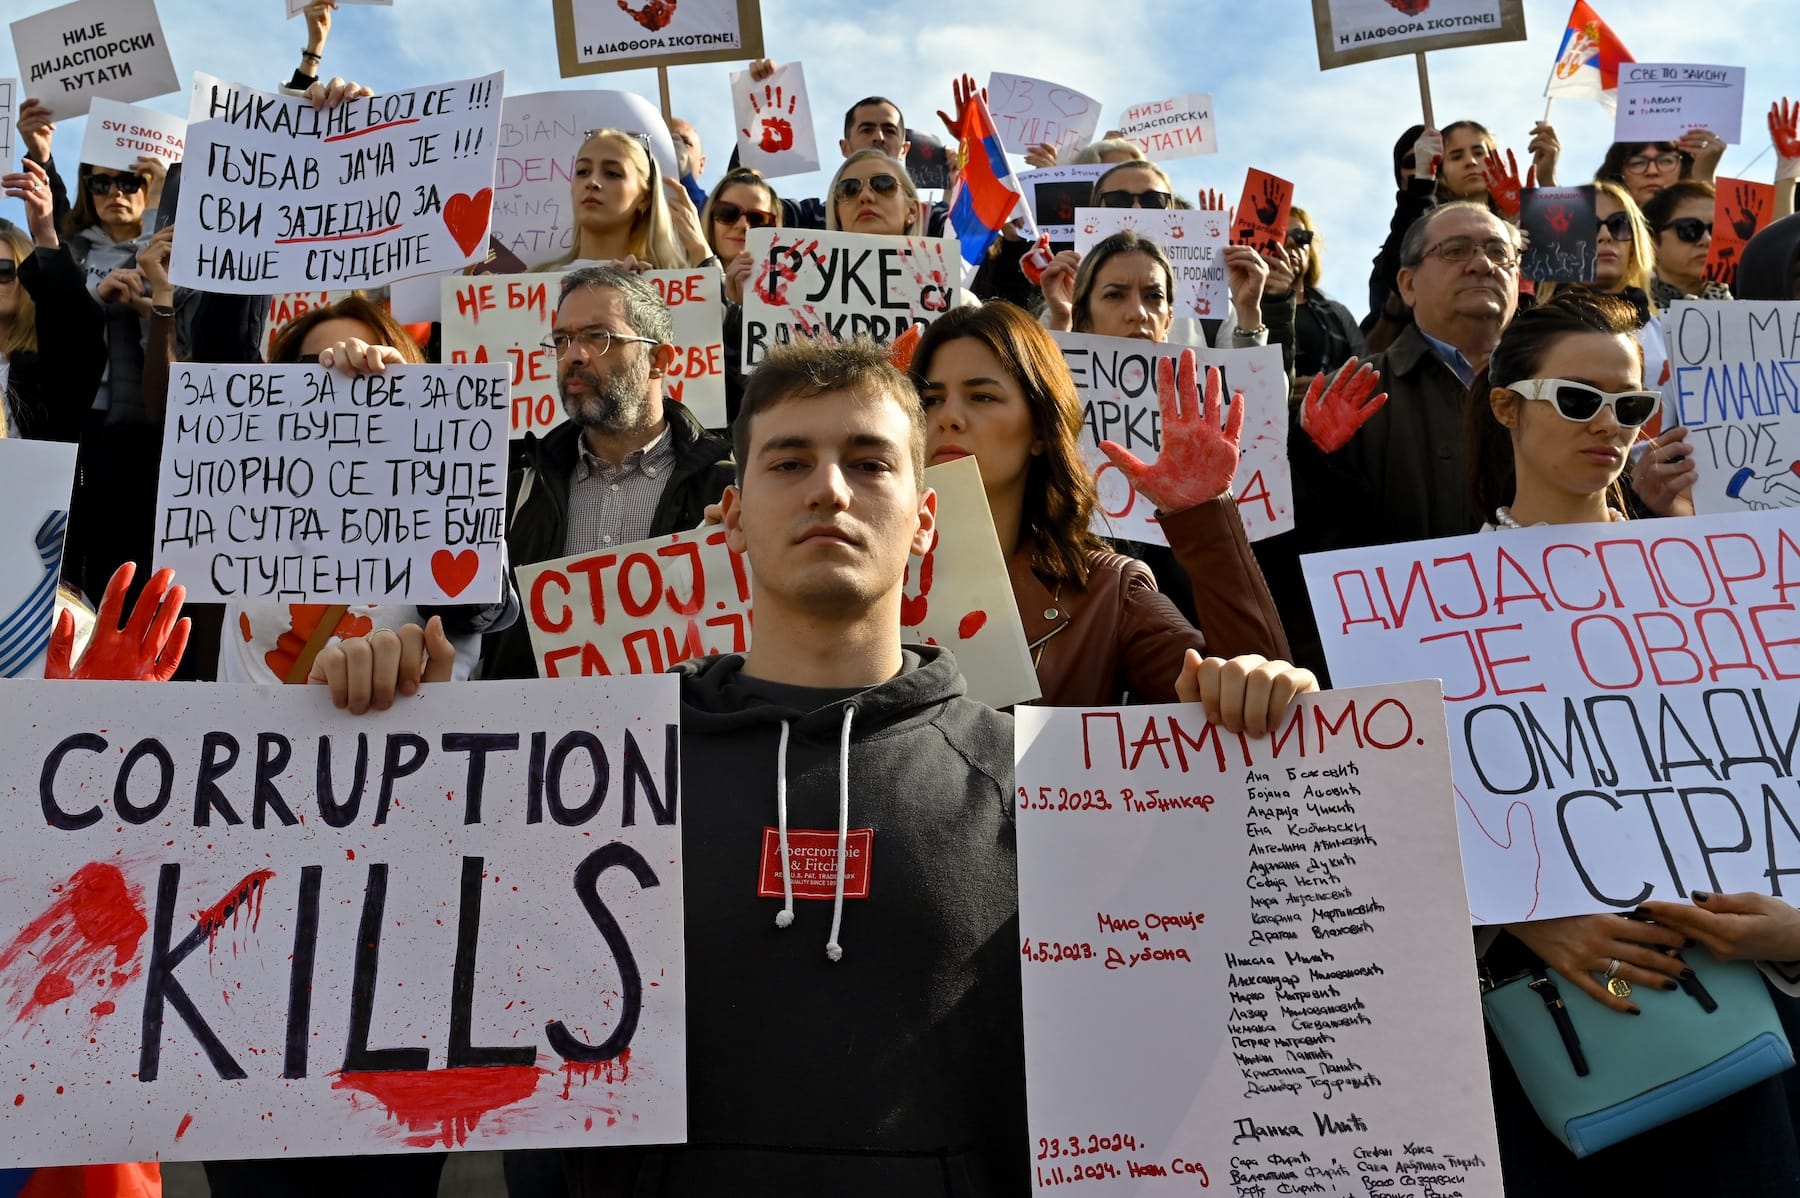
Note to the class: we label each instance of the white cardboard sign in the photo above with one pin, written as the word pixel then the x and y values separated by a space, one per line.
pixel 220 941
pixel 1233 950
pixel 119 134
pixel 643 608
pixel 9 115
pixel 70 54
pixel 39 476
pixel 1660 101
pixel 1559 647
pixel 1179 127
pixel 775 122
pixel 1029 111
pixel 1734 384
pixel 540 134
pixel 286 197
pixel 1193 238
pixel 299 484
pixel 1054 193
pixel 611 35
pixel 1117 380
pixel 815 283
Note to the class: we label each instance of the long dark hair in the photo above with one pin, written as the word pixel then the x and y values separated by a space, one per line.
pixel 1488 444
pixel 1444 195
pixel 1125 241
pixel 1060 495
pixel 82 214
pixel 285 347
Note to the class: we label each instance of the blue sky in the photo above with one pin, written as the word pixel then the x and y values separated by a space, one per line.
pixel 1331 132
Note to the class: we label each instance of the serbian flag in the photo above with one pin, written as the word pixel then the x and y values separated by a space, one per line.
pixel 1587 65
pixel 987 192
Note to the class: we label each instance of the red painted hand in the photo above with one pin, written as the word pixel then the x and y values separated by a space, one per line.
pixel 964 92
pixel 146 649
pixel 1784 128
pixel 1332 414
pixel 1198 457
pixel 1504 185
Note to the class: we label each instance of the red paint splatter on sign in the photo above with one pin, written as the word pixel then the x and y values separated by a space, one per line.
pixel 187 1121
pixel 442 1106
pixel 95 926
pixel 971 624
pixel 102 1008
pixel 247 893
pixel 611 1072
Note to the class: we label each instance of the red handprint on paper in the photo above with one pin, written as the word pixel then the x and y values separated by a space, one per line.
pixel 1411 8
pixel 1557 217
pixel 653 16
pixel 1177 232
pixel 781 268
pixel 776 131
pixel 1749 213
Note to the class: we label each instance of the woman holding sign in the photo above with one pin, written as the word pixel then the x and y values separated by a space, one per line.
pixel 626 212
pixel 995 387
pixel 1547 432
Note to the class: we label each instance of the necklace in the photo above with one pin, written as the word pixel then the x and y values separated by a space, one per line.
pixel 1504 517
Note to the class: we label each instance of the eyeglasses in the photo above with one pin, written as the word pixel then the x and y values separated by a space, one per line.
pixel 1581 403
pixel 1617 226
pixel 729 214
pixel 1135 199
pixel 1457 250
pixel 1299 239
pixel 9 271
pixel 882 185
pixel 1690 228
pixel 128 184
pixel 594 338
pixel 1641 164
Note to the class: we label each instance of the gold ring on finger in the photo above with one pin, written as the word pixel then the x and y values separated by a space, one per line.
pixel 1619 988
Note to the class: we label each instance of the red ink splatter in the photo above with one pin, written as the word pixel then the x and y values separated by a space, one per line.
pixel 611 1072
pixel 912 607
pixel 18 1100
pixel 102 1008
pixel 187 1121
pixel 971 624
pixel 445 1105
pixel 349 854
pixel 97 917
pixel 247 893
pixel 653 16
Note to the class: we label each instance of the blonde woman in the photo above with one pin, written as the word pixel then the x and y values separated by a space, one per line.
pixel 626 213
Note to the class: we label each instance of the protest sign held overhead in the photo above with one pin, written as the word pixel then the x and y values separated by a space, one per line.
pixel 1351 31
pixel 1175 128
pixel 1734 384
pixel 119 134
pixel 1192 238
pixel 1282 937
pixel 644 608
pixel 1262 213
pixel 481 947
pixel 1660 101
pixel 72 54
pixel 1117 380
pixel 593 36
pixel 39 476
pixel 300 484
pixel 815 283
pixel 283 196
pixel 775 122
pixel 1742 208
pixel 1028 112
pixel 1617 700
pixel 1053 193
pixel 1559 225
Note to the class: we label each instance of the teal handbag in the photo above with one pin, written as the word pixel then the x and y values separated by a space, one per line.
pixel 1596 1076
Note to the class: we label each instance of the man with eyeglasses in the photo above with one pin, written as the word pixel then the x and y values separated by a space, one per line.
pixel 627 465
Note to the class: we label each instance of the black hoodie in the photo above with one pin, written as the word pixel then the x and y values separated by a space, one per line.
pixel 1766 271
pixel 898 1068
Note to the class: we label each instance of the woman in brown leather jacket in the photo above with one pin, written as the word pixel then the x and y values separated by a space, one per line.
pixel 995 387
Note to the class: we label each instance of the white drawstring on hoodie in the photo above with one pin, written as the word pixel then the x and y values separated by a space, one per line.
pixel 785 917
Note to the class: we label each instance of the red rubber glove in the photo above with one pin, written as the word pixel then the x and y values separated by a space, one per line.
pixel 1503 183
pixel 1331 415
pixel 146 649
pixel 964 91
pixel 1198 457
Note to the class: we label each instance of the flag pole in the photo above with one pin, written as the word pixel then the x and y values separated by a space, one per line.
pixel 1425 89
pixel 1548 100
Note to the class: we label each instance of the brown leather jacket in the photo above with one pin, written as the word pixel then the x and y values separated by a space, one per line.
pixel 1119 635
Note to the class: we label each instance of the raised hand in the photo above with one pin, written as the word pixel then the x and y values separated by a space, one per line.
pixel 30 185
pixel 1705 150
pixel 1284 268
pixel 1041 155
pixel 146 649
pixel 1332 414
pixel 1545 149
pixel 1428 154
pixel 1213 201
pixel 36 129
pixel 964 92
pixel 1199 457
pixel 1784 131
pixel 1059 290
pixel 1504 184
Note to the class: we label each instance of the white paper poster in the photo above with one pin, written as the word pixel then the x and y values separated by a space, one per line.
pixel 1053 193
pixel 1734 384
pixel 39 476
pixel 1117 380
pixel 1233 951
pixel 1350 31
pixel 9 115
pixel 1180 127
pixel 286 197
pixel 1028 112
pixel 239 923
pixel 612 35
pixel 296 7
pixel 646 607
pixel 1194 240
pixel 299 484
pixel 70 54
pixel 1661 101
pixel 815 283
pixel 1621 700
pixel 534 171
pixel 119 134
pixel 775 122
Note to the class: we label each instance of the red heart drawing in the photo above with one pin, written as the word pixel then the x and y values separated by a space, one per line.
pixel 467 217
pixel 454 571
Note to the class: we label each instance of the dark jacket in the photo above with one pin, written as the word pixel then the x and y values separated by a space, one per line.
pixel 1325 336
pixel 1766 271
pixel 899 1068
pixel 53 387
pixel 1410 203
pixel 537 505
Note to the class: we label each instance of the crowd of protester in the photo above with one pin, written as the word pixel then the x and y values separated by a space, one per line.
pixel 1417 417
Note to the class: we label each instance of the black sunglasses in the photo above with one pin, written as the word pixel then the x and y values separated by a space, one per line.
pixel 1135 199
pixel 1300 238
pixel 9 271
pixel 99 185
pixel 883 185
pixel 1690 228
pixel 1618 226
pixel 726 213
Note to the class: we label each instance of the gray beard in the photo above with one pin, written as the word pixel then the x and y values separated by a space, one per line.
pixel 618 405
